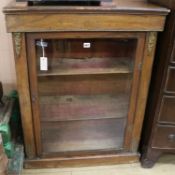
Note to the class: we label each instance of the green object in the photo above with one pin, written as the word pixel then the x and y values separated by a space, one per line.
pixel 5 132
pixel 9 149
pixel 16 111
pixel 5 115
pixel 10 121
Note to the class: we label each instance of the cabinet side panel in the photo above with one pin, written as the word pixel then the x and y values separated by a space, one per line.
pixel 135 86
pixel 24 93
pixel 148 59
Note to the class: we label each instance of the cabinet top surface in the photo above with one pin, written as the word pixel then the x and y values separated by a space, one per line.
pixel 118 6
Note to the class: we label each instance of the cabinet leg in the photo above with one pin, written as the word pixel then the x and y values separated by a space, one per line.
pixel 149 158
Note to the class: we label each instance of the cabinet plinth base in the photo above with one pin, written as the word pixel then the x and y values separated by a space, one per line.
pixel 96 160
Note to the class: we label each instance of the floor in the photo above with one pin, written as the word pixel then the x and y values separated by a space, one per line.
pixel 165 166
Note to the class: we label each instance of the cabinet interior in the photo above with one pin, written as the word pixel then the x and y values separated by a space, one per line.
pixel 84 95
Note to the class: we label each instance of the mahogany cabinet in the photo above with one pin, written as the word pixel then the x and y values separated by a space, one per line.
pixel 83 76
pixel 159 129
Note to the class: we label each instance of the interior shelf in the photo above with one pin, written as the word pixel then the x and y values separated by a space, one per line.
pixel 77 66
pixel 83 135
pixel 83 107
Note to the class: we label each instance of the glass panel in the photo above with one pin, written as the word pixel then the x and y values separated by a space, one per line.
pixel 82 135
pixel 84 90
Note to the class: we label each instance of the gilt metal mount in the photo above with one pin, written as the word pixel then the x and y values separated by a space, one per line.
pixel 151 42
pixel 17 41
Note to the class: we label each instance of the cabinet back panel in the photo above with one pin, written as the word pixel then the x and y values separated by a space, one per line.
pixel 84 84
pixel 74 48
pixel 66 108
pixel 83 135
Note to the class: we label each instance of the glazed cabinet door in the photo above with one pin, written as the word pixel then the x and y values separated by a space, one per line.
pixel 84 90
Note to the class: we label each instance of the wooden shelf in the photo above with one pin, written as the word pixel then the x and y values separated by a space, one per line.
pixel 71 66
pixel 83 107
pixel 83 135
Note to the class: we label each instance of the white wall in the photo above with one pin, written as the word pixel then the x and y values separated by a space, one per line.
pixel 7 67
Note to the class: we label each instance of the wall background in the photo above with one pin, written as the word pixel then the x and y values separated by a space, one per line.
pixel 7 65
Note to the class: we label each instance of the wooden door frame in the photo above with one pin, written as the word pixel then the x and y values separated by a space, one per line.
pixel 138 91
pixel 19 47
